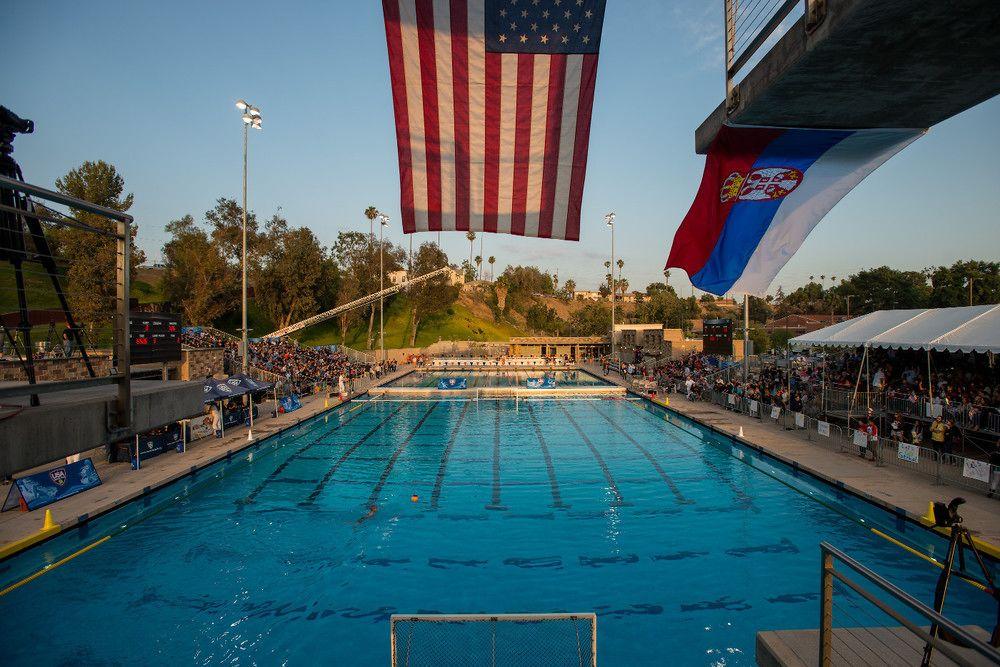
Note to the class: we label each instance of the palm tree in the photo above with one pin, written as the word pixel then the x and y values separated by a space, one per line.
pixel 666 276
pixel 371 213
pixel 479 265
pixel 621 263
pixel 491 260
pixel 471 235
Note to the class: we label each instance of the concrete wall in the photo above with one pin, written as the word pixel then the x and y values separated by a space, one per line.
pixel 199 363
pixel 48 370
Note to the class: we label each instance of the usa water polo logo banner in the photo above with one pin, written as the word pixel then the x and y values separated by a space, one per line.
pixel 446 384
pixel 44 488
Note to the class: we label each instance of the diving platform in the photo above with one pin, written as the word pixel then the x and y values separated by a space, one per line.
pixel 853 64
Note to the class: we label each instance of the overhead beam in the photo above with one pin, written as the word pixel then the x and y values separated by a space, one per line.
pixel 871 63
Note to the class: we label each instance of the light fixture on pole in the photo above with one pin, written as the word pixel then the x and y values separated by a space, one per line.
pixel 383 223
pixel 609 219
pixel 251 118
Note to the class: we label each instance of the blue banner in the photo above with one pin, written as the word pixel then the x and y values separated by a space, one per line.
pixel 290 403
pixel 445 384
pixel 542 383
pixel 45 488
pixel 153 445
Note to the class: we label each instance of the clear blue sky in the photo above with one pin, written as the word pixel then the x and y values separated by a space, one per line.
pixel 150 87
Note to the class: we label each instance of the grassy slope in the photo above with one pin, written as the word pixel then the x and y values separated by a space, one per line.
pixel 457 323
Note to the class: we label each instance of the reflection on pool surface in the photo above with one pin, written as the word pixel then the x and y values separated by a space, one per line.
pixel 613 506
pixel 478 379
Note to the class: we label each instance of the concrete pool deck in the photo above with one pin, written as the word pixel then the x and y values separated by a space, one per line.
pixel 887 486
pixel 120 484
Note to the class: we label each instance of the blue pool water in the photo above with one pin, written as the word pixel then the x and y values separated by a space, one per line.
pixel 683 543
pixel 476 379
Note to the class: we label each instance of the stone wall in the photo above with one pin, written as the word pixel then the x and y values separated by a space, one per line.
pixel 199 363
pixel 49 370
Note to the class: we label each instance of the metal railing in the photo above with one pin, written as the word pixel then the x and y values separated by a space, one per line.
pixel 749 25
pixel 829 573
pixel 943 467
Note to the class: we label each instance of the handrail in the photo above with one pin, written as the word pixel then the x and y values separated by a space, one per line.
pixel 830 552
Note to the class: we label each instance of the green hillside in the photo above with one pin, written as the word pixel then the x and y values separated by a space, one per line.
pixel 456 323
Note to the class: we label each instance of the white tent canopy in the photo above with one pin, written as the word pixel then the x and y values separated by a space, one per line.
pixel 965 329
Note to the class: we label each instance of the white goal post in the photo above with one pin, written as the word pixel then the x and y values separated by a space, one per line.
pixel 498 640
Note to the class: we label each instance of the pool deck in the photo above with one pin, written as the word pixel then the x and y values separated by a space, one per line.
pixel 120 484
pixel 889 487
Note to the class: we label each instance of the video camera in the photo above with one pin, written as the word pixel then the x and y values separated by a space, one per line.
pixel 946 516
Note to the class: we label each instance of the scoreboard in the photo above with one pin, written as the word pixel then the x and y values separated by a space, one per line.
pixel 717 337
pixel 154 338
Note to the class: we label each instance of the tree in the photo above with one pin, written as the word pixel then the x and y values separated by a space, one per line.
pixel 883 288
pixel 468 271
pixel 491 261
pixel 950 284
pixel 594 319
pixel 226 221
pixel 197 277
pixel 569 288
pixel 471 235
pixel 543 319
pixel 293 273
pixel 761 341
pixel 371 213
pixel 355 255
pixel 430 296
pixel 90 259
pixel 760 310
pixel 707 298
pixel 479 267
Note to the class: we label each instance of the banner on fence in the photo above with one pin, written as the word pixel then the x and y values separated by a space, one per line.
pixel 860 439
pixel 732 399
pixel 753 407
pixel 445 384
pixel 200 428
pixel 979 470
pixel 909 453
pixel 775 412
pixel 45 488
pixel 148 445
pixel 823 428
pixel 290 403
pixel 800 420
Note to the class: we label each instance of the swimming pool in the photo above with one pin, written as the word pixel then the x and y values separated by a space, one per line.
pixel 482 379
pixel 613 506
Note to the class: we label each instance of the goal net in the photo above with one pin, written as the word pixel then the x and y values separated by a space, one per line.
pixel 501 640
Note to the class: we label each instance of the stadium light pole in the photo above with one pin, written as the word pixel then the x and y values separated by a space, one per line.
pixel 609 219
pixel 383 222
pixel 251 118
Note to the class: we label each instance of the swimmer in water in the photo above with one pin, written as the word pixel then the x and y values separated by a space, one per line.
pixel 371 512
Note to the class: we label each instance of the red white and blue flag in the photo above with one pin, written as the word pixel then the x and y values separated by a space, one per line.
pixel 763 191
pixel 492 102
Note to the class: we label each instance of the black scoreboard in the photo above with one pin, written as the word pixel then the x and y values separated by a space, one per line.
pixel 154 338
pixel 717 337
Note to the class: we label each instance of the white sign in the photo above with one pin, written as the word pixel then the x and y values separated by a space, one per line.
pixel 823 428
pixel 861 439
pixel 753 407
pixel 775 412
pixel 974 469
pixel 732 399
pixel 933 409
pixel 909 453
pixel 800 420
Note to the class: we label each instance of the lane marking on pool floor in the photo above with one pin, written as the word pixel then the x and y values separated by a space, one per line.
pixel 373 498
pixel 445 456
pixel 597 455
pixel 549 468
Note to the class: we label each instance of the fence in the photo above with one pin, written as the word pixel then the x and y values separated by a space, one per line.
pixel 876 630
pixel 493 639
pixel 942 467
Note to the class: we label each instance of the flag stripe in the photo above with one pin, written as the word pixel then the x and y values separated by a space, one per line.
pixel 587 83
pixel 460 94
pixel 415 112
pixel 428 79
pixel 508 130
pixel 522 141
pixel 394 40
pixel 557 80
pixel 536 151
pixel 477 115
pixel 567 140
pixel 491 171
pixel 446 113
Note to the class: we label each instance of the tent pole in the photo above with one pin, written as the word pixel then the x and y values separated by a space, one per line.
pixel 822 393
pixel 930 386
pixel 854 396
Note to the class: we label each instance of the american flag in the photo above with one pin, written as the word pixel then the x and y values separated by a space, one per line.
pixel 493 100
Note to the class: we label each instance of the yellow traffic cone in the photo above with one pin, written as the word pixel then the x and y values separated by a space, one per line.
pixel 49 523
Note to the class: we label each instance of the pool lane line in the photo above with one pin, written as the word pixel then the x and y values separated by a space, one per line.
pixel 52 566
pixel 649 457
pixel 311 498
pixel 740 494
pixel 597 455
pixel 549 468
pixel 302 450
pixel 445 455
pixel 384 477
pixel 495 499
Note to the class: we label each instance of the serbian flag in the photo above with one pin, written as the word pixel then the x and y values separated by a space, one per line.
pixel 763 191
pixel 492 102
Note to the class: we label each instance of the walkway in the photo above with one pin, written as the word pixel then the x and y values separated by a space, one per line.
pixel 120 484
pixel 887 486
